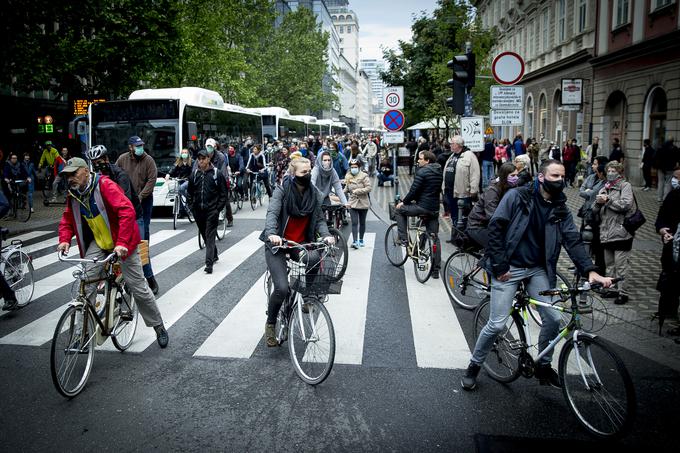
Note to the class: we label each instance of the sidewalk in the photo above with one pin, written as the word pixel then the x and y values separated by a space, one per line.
pixel 630 325
pixel 42 217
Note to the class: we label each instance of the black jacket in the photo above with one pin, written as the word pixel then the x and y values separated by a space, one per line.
pixel 181 171
pixel 426 187
pixel 121 178
pixel 207 191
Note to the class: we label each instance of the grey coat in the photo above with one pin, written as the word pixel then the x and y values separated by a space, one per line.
pixel 619 205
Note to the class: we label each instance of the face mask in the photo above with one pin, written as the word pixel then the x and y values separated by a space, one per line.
pixel 612 176
pixel 139 150
pixel 305 180
pixel 102 168
pixel 210 149
pixel 675 183
pixel 184 155
pixel 326 165
pixel 512 180
pixel 303 151
pixel 554 188
pixel 354 171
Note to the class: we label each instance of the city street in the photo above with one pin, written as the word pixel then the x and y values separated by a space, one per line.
pixel 401 350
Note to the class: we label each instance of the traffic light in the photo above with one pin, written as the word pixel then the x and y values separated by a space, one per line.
pixel 463 67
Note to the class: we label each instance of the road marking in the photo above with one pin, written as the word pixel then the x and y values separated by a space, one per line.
pixel 437 335
pixel 169 221
pixel 41 330
pixel 348 310
pixel 185 294
pixel 30 235
pixel 240 332
pixel 51 242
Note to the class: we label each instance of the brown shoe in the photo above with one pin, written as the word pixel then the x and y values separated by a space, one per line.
pixel 270 335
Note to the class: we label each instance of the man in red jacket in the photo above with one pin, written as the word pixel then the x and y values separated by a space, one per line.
pixel 103 220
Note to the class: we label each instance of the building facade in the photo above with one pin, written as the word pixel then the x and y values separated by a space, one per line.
pixel 372 67
pixel 347 26
pixel 364 100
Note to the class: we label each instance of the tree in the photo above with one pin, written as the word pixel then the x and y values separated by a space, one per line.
pixel 420 65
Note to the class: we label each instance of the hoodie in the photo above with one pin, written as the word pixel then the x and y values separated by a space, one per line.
pixel 325 179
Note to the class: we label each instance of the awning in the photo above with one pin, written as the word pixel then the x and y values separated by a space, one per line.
pixel 429 124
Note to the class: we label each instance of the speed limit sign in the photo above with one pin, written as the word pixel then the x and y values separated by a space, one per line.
pixel 394 98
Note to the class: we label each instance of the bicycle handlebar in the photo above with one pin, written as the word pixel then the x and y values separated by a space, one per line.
pixel 289 244
pixel 587 286
pixel 110 258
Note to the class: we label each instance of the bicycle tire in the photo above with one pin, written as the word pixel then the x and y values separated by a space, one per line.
pixel 253 197
pixel 239 201
pixel 561 283
pixel 342 248
pixel 423 261
pixel 186 208
pixel 395 253
pixel 502 362
pixel 175 211
pixel 260 192
pixel 312 358
pixel 23 209
pixel 18 274
pixel 459 268
pixel 606 413
pixel 222 224
pixel 69 374
pixel 201 244
pixel 124 331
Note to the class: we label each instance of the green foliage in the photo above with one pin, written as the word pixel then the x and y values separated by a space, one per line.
pixel 420 65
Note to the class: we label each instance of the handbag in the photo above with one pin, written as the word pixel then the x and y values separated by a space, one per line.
pixel 633 222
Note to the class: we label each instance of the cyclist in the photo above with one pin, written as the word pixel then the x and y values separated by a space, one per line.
pixel 15 171
pixel 325 178
pixel 49 154
pixel 236 168
pixel 102 219
pixel 32 176
pixel 526 233
pixel 461 179
pixel 5 290
pixel 99 159
pixel 181 170
pixel 294 213
pixel 423 200
pixel 207 195
pixel 257 168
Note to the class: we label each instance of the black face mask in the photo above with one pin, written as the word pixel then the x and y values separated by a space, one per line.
pixel 103 168
pixel 305 180
pixel 554 188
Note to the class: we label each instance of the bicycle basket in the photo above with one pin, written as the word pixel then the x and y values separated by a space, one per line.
pixel 317 279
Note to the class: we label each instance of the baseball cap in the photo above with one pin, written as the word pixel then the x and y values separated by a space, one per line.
pixel 135 141
pixel 73 164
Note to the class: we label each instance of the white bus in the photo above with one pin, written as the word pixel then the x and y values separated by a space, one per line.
pixel 167 120
pixel 279 124
pixel 311 125
pixel 330 127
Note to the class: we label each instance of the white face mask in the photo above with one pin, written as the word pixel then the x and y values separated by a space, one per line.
pixel 326 165
pixel 675 183
pixel 354 171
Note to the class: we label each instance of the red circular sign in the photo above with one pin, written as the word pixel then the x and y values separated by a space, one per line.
pixel 507 68
pixel 393 120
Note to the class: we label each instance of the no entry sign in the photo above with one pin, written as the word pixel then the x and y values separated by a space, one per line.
pixel 507 68
pixel 393 120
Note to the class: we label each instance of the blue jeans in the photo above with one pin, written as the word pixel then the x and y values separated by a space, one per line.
pixel 382 179
pixel 143 224
pixel 502 294
pixel 487 172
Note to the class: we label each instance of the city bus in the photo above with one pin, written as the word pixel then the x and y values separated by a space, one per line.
pixel 330 127
pixel 278 124
pixel 311 125
pixel 167 120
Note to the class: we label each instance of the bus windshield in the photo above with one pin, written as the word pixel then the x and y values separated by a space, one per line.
pixel 155 121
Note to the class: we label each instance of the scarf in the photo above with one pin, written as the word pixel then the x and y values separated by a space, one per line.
pixel 609 184
pixel 299 204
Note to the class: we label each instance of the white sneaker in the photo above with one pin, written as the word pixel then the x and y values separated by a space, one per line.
pixel 32 210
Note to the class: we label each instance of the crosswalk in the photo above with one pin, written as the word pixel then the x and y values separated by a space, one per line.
pixel 437 336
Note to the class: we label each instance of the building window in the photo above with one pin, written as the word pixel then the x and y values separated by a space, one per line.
pixel 349 17
pixel 561 20
pixel 349 29
pixel 621 13
pixel 529 122
pixel 658 4
pixel 341 29
pixel 546 34
pixel 582 15
pixel 543 112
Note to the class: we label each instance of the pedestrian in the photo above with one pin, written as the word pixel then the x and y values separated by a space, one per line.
pixel 370 150
pixel 591 152
pixel 570 156
pixel 412 147
pixel 667 225
pixel 33 177
pixel 555 152
pixel 358 186
pixel 590 222
pixel 500 156
pixel 142 171
pixel 522 164
pixel 385 171
pixel 666 159
pixel 617 152
pixel 206 197
pixel 460 180
pixel 613 204
pixel 647 162
pixel 488 157
pixel 518 146
pixel 533 150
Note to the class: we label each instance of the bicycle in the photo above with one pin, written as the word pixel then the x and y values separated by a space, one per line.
pixel 303 320
pixel 334 214
pixel 221 231
pixel 17 268
pixel 420 247
pixel 257 190
pixel 19 208
pixel 62 193
pixel 235 197
pixel 179 203
pixel 85 324
pixel 595 382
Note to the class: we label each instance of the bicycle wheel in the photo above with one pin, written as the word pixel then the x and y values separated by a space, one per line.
pixel 233 199
pixel 253 197
pixel 18 273
pixel 222 224
pixel 175 211
pixel 23 209
pixel 423 261
pixel 239 201
pixel 188 211
pixel 466 283
pixel 311 342
pixel 395 253
pixel 72 351
pixel 201 244
pixel 502 363
pixel 260 192
pixel 126 318
pixel 597 386
pixel 562 283
pixel 340 253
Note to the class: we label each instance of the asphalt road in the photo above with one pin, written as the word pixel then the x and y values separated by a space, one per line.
pixel 395 386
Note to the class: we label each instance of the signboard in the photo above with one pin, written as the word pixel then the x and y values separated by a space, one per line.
pixel 489 130
pixel 472 131
pixel 394 97
pixel 80 105
pixel 507 117
pixel 572 91
pixel 391 138
pixel 507 96
pixel 507 68
pixel 393 120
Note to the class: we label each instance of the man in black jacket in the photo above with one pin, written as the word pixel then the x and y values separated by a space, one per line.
pixel 423 200
pixel 207 195
pixel 6 291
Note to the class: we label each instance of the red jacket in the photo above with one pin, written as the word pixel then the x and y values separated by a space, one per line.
pixel 119 210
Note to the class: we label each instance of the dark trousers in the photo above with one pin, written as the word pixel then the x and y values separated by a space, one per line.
pixel 358 223
pixel 669 297
pixel 431 225
pixel 647 174
pixel 570 172
pixel 452 202
pixel 207 228
pixel 276 263
pixel 265 179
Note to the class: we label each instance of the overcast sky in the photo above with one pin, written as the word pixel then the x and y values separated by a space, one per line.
pixel 384 22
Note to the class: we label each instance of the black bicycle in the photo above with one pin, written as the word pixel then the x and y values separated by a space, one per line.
pixel 19 208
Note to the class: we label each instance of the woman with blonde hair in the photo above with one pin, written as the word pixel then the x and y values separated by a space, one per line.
pixel 181 171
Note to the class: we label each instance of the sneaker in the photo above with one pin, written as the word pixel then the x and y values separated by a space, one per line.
pixel 270 335
pixel 546 375
pixel 355 244
pixel 621 300
pixel 221 216
pixel 435 274
pixel 161 336
pixel 208 269
pixel 361 243
pixel 469 381
pixel 10 304
pixel 32 210
pixel 230 224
